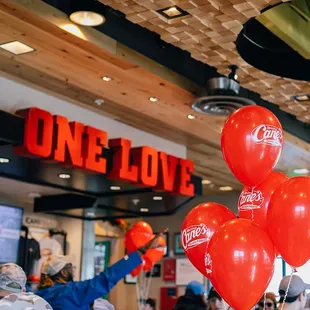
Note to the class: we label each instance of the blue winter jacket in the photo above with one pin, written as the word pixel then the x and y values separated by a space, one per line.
pixel 79 295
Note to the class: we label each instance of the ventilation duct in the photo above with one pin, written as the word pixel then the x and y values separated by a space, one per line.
pixel 220 97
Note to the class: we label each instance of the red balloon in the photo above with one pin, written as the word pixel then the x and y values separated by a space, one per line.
pixel 148 264
pixel 136 271
pixel 155 255
pixel 256 200
pixel 288 220
pixel 241 260
pixel 251 142
pixel 199 226
pixel 139 235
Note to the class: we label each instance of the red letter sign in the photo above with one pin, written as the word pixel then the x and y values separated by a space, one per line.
pixel 94 142
pixel 38 135
pixel 185 186
pixel 121 157
pixel 167 172
pixel 68 141
pixel 146 158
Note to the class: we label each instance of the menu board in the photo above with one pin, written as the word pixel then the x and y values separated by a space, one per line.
pixel 186 272
pixel 10 226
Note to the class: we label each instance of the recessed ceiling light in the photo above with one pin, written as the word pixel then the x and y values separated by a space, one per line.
pixel 99 101
pixel 191 116
pixel 34 195
pixel 157 198
pixel 153 99
pixel 107 78
pixel 205 182
pixel 115 188
pixel 225 188
pixel 302 98
pixel 4 160
pixel 172 12
pixel 17 48
pixel 301 171
pixel 90 214
pixel 64 175
pixel 87 18
pixel 144 210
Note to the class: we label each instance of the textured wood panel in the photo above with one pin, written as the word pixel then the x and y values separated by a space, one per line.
pixel 70 67
pixel 208 33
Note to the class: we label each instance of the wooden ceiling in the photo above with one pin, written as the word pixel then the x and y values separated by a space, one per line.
pixel 70 62
pixel 208 33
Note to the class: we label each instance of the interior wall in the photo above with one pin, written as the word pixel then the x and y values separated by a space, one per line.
pixel 174 223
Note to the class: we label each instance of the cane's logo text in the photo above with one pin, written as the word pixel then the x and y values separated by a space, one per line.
pixel 250 200
pixel 195 235
pixel 208 263
pixel 267 134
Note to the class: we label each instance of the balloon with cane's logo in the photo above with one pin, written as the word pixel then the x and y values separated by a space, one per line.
pixel 253 202
pixel 249 200
pixel 198 227
pixel 195 235
pixel 251 143
pixel 267 134
pixel 208 263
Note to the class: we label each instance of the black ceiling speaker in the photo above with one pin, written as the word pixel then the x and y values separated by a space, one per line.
pixel 265 51
pixel 221 96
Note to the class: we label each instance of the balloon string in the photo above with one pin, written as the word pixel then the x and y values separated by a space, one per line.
pixel 138 294
pixel 265 300
pixel 288 286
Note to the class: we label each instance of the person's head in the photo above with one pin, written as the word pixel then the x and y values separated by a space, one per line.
pixel 194 288
pixel 215 301
pixel 191 302
pixel 270 304
pixel 22 301
pixel 57 268
pixel 12 279
pixel 296 295
pixel 150 304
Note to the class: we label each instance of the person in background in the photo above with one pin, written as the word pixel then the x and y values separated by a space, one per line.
pixel 57 286
pixel 296 295
pixel 150 304
pixel 307 306
pixel 270 304
pixel 12 279
pixel 215 301
pixel 23 301
pixel 194 297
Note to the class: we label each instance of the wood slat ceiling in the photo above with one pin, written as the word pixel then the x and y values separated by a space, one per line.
pixel 72 68
pixel 208 33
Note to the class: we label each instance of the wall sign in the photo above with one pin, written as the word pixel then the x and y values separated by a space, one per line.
pixel 186 272
pixel 169 269
pixel 55 139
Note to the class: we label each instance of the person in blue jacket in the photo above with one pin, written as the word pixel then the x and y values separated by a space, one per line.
pixel 58 289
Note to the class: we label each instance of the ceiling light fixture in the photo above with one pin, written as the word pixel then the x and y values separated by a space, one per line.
pixel 34 195
pixel 87 18
pixel 99 102
pixel 144 210
pixel 301 171
pixel 302 98
pixel 90 214
pixel 64 175
pixel 107 78
pixel 153 99
pixel 17 48
pixel 205 182
pixel 191 116
pixel 157 198
pixel 115 188
pixel 4 160
pixel 225 188
pixel 172 12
